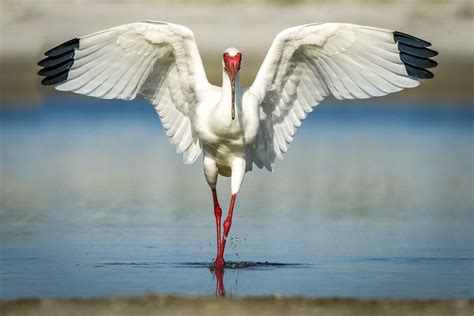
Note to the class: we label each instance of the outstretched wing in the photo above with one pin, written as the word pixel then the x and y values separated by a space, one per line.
pixel 157 60
pixel 307 63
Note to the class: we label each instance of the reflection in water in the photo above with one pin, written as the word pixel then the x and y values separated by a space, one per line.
pixel 220 290
pixel 245 265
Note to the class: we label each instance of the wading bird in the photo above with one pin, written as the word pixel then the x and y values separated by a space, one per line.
pixel 234 127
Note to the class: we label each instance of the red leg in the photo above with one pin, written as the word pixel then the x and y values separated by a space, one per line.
pixel 218 215
pixel 227 224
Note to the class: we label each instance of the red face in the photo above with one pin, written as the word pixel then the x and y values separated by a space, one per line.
pixel 232 64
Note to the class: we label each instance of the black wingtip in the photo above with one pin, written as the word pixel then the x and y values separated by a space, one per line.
pixel 63 48
pixel 52 71
pixel 417 61
pixel 52 61
pixel 410 40
pixel 415 55
pixel 56 79
pixel 58 62
pixel 418 73
pixel 416 51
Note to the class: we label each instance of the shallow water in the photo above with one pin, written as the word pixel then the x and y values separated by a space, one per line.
pixel 369 202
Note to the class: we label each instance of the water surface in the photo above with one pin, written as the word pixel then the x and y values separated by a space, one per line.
pixel 369 202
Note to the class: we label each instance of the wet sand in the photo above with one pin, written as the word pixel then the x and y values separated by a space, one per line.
pixel 172 305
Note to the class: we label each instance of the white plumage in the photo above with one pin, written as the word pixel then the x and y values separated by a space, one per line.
pixel 159 61
pixel 307 63
pixel 236 127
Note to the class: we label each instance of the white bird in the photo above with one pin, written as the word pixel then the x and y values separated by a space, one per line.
pixel 237 127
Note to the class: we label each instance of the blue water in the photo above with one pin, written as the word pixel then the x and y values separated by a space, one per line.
pixel 369 202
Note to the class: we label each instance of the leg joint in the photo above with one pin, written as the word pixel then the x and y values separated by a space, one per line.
pixel 227 224
pixel 217 211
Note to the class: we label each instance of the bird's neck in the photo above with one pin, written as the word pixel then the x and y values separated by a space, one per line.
pixel 227 86
pixel 226 96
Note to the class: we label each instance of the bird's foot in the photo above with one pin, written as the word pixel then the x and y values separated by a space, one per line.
pixel 219 263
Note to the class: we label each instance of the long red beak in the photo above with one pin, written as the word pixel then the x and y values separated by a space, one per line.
pixel 232 67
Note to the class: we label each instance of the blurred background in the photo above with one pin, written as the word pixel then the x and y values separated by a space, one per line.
pixel 374 197
pixel 29 28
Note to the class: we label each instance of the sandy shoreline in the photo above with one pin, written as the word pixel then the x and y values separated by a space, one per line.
pixel 275 306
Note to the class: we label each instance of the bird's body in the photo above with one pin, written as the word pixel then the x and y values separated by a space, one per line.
pixel 226 142
pixel 236 128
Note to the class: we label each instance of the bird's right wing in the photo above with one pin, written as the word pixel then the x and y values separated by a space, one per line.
pixel 157 60
pixel 307 63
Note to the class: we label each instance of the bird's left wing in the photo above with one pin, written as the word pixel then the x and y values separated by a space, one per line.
pixel 157 60
pixel 307 63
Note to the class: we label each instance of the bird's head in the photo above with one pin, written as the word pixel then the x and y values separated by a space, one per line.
pixel 232 58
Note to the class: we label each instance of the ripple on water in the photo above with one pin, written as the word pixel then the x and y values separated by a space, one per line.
pixel 235 265
pixel 242 265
